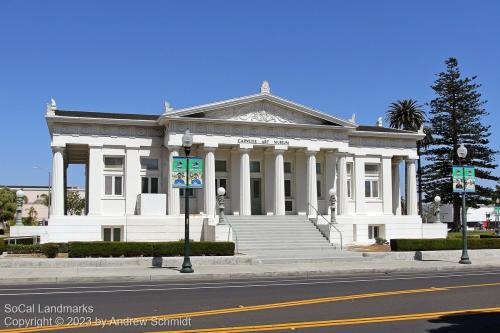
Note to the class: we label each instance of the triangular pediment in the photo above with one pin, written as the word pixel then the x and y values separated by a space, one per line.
pixel 261 108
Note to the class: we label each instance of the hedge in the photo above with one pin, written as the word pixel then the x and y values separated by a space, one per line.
pixel 443 244
pixel 2 245
pixel 147 249
pixel 23 248
pixel 490 236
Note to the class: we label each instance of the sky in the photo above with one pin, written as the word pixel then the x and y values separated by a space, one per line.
pixel 340 57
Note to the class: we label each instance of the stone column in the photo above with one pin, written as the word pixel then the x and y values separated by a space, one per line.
pixel 96 163
pixel 57 204
pixel 245 198
pixel 132 178
pixel 411 187
pixel 209 187
pixel 387 185
pixel 330 175
pixel 312 192
pixel 342 185
pixel 396 192
pixel 359 184
pixel 173 203
pixel 279 183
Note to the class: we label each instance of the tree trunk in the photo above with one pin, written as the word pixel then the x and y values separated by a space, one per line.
pixel 456 213
pixel 419 175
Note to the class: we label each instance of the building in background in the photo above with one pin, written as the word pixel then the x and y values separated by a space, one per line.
pixel 273 156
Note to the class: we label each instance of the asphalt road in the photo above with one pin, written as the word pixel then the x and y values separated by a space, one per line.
pixel 438 302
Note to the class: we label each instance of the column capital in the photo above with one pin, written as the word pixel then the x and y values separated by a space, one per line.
pixel 245 147
pixel 311 151
pixel 410 160
pixel 396 160
pixel 281 148
pixel 95 145
pixel 173 147
pixel 209 146
pixel 132 147
pixel 57 147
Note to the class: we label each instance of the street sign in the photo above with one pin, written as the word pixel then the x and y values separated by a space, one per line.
pixel 187 176
pixel 464 179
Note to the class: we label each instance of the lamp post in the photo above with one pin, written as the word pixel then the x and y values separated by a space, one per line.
pixel 332 205
pixel 462 153
pixel 221 191
pixel 187 142
pixel 49 199
pixel 19 209
pixel 437 201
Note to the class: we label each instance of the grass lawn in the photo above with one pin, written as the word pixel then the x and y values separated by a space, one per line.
pixel 470 233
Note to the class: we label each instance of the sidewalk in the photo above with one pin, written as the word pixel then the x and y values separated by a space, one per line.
pixel 17 276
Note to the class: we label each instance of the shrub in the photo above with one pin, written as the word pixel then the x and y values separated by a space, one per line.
pixel 23 248
pixel 50 250
pixel 381 241
pixel 146 249
pixel 442 244
pixel 490 236
pixel 2 245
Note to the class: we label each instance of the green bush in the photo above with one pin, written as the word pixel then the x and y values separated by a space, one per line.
pixel 2 245
pixel 50 250
pixel 490 236
pixel 442 244
pixel 23 248
pixel 146 249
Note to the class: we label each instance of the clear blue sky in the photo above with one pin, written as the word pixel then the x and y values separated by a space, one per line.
pixel 128 56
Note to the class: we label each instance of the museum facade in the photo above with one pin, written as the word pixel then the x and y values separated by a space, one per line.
pixel 273 156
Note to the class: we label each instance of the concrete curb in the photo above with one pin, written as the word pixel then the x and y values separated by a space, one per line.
pixel 238 276
pixel 16 262
pixel 434 255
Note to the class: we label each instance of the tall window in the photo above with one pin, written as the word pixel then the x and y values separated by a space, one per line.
pixel 220 166
pixel 372 180
pixel 113 176
pixel 287 167
pixel 318 168
pixel 349 179
pixel 255 166
pixel 288 188
pixel 318 188
pixel 150 175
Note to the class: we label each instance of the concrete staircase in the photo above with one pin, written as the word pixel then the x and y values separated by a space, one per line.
pixel 285 239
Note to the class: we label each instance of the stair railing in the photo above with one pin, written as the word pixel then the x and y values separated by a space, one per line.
pixel 330 224
pixel 231 229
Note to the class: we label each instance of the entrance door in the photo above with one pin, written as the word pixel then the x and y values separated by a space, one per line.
pixel 256 193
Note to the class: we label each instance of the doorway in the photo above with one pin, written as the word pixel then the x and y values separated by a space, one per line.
pixel 256 194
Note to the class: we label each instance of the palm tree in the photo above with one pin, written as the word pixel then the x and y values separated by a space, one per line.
pixel 408 115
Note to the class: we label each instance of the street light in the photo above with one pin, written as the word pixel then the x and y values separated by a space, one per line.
pixel 332 205
pixel 221 191
pixel 19 209
pixel 49 188
pixel 187 142
pixel 437 200
pixel 462 153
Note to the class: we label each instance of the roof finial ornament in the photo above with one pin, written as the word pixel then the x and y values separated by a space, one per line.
pixel 265 88
pixel 379 122
pixel 353 118
pixel 51 107
pixel 167 107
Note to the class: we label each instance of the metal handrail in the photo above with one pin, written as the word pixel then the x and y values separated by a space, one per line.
pixel 330 224
pixel 231 229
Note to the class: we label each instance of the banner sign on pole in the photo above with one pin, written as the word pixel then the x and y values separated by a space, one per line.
pixel 464 179
pixel 470 179
pixel 187 176
pixel 195 168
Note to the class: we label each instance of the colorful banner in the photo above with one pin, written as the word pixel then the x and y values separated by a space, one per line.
pixel 464 179
pixel 187 176
pixel 195 172
pixel 470 179
pixel 179 172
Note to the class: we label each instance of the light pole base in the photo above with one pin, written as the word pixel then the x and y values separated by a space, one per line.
pixel 186 266
pixel 465 260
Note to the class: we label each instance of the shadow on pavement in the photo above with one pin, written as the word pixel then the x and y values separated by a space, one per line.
pixel 478 322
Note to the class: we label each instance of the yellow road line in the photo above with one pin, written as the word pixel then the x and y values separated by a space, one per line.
pixel 248 308
pixel 337 322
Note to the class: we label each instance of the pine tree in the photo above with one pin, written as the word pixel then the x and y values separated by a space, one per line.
pixel 455 117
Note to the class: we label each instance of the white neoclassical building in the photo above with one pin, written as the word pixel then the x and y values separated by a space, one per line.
pixel 273 156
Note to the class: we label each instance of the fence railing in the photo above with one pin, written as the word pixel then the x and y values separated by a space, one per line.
pixel 231 229
pixel 330 224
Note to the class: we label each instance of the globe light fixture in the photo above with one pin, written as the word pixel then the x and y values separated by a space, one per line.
pixel 187 139
pixel 221 191
pixel 462 151
pixel 437 199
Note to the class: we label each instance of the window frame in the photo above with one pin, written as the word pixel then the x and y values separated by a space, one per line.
pixel 150 174
pixel 114 173
pixel 349 178
pixel 370 179
pixel 112 233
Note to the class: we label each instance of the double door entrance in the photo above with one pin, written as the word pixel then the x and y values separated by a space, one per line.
pixel 256 195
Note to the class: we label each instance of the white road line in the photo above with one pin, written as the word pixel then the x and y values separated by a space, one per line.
pixel 253 285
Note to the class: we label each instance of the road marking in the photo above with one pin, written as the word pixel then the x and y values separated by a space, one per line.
pixel 223 285
pixel 255 307
pixel 338 322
